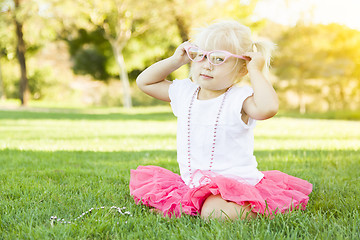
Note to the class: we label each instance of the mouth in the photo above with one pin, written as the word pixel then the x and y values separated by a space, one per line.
pixel 206 76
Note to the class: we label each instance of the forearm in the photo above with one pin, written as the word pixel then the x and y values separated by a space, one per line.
pixel 157 72
pixel 152 80
pixel 265 97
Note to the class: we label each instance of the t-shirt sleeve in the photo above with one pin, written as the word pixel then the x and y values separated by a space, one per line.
pixel 177 92
pixel 241 96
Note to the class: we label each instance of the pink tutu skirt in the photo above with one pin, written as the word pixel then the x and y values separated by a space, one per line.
pixel 164 190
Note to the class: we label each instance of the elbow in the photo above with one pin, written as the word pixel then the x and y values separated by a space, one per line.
pixel 272 110
pixel 140 82
pixel 269 112
pixel 274 107
pixel 265 109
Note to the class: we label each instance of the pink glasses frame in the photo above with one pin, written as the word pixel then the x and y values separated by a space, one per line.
pixel 207 54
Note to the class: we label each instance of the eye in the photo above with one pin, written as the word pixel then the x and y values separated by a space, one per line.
pixel 217 57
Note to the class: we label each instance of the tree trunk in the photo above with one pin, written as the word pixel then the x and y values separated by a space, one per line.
pixel 342 98
pixel 21 50
pixel 302 103
pixel 180 21
pixel 183 28
pixel 123 76
pixel 301 93
pixel 2 92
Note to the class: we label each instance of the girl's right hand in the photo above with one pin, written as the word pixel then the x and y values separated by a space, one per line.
pixel 180 55
pixel 152 80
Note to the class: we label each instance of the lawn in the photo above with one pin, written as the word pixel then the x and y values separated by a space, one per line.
pixel 63 162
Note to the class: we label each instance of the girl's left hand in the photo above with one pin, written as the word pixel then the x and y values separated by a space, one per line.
pixel 256 61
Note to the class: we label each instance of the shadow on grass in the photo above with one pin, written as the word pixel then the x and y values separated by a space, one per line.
pixel 83 115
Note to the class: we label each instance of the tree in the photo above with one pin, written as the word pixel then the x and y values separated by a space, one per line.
pixel 14 10
pixel 201 12
pixel 91 53
pixel 28 27
pixel 120 20
pixel 2 95
pixel 4 40
pixel 136 29
pixel 312 57
pixel 21 51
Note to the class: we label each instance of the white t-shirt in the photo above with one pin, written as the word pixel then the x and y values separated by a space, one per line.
pixel 233 156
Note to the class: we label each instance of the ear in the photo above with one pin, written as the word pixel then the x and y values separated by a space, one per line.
pixel 243 70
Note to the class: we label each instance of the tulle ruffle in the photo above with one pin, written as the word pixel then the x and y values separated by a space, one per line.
pixel 164 190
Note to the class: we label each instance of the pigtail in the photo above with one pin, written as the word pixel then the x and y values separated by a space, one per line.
pixel 265 47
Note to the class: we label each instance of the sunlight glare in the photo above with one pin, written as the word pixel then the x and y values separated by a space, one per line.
pixel 289 12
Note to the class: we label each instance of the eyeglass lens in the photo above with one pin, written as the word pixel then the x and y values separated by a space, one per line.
pixel 216 57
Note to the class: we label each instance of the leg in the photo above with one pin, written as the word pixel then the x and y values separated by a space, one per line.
pixel 216 207
pixel 155 210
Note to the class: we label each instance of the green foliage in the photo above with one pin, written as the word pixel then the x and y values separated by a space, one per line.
pixel 321 61
pixel 90 61
pixel 90 52
pixel 70 160
pixel 40 81
pixel 11 76
pixel 149 43
pixel 319 51
pixel 317 67
pixel 7 36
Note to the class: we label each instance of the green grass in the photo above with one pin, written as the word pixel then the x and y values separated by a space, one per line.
pixel 65 161
pixel 344 115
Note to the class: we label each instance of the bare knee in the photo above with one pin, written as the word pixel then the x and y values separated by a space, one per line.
pixel 212 207
pixel 215 207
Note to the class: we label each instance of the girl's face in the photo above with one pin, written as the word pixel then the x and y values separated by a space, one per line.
pixel 215 79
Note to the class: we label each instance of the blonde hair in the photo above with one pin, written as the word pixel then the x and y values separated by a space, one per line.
pixel 237 39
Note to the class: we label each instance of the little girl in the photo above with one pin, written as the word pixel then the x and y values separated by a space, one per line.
pixel 219 176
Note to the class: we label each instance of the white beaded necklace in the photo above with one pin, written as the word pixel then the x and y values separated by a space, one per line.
pixel 92 211
pixel 215 131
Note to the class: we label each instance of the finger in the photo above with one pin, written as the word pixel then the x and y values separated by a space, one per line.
pixel 246 58
pixel 184 45
pixel 250 54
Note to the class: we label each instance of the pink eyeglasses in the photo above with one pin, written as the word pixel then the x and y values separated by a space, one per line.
pixel 216 57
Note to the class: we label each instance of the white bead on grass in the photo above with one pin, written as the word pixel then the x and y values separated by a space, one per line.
pixel 55 219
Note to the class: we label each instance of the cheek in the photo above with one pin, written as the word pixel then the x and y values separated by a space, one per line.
pixel 236 71
pixel 229 78
pixel 229 71
pixel 194 69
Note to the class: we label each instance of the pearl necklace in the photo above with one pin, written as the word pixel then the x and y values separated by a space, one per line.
pixel 92 211
pixel 215 131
